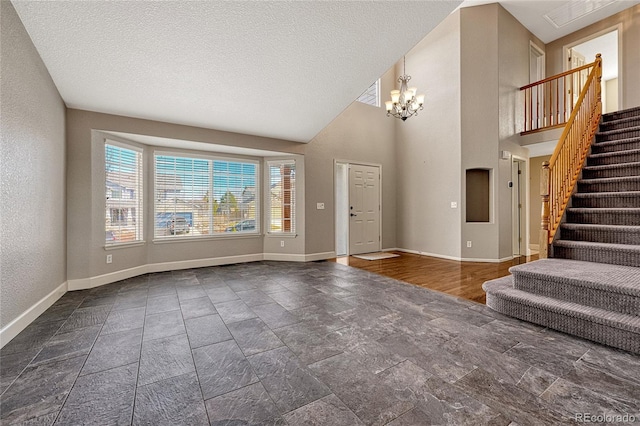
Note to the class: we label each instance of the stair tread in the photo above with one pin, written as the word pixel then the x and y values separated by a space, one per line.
pixel 619 320
pixel 623 130
pixel 621 120
pixel 614 278
pixel 614 166
pixel 610 179
pixel 614 153
pixel 621 111
pixel 589 244
pixel 607 194
pixel 618 141
pixel 604 209
pixel 591 226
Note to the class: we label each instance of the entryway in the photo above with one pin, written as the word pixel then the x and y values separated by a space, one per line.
pixel 358 208
pixel 584 51
pixel 519 209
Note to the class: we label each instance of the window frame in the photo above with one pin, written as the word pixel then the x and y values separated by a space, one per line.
pixel 211 235
pixel 293 203
pixel 139 201
pixel 377 102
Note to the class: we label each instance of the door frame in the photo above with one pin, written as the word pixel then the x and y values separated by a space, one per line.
pixel 524 210
pixel 617 27
pixel 348 163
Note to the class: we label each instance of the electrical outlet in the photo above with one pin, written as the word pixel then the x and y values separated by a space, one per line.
pixel 320 206
pixel 109 258
pixel 454 205
pixel 468 244
pixel 281 243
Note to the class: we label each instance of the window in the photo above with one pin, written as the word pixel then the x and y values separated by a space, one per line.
pixel 123 172
pixel 204 196
pixel 371 96
pixel 282 196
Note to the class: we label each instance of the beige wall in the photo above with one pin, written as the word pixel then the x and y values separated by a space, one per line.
pixel 428 147
pixel 32 171
pixel 535 202
pixel 480 120
pixel 360 133
pixel 629 19
pixel 86 201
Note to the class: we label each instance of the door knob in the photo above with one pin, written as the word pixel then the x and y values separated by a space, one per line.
pixel 353 214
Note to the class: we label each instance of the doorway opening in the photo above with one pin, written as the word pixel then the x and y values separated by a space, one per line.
pixel 583 51
pixel 358 208
pixel 519 207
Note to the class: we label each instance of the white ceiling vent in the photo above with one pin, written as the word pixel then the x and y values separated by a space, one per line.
pixel 572 10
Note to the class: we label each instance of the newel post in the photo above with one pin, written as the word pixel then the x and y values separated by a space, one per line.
pixel 544 225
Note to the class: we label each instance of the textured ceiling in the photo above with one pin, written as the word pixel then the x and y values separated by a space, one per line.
pixel 531 13
pixel 277 69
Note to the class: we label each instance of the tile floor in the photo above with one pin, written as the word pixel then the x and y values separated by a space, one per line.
pixel 299 344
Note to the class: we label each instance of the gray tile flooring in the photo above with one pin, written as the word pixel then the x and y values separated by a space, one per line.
pixel 300 344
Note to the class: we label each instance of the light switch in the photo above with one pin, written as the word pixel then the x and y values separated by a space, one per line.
pixel 320 206
pixel 454 205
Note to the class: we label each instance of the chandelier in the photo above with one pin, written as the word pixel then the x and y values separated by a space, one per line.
pixel 404 103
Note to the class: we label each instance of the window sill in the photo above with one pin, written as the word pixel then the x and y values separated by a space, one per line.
pixel 204 238
pixel 124 245
pixel 283 235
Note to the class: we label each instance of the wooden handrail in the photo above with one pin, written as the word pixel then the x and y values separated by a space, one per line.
pixel 549 103
pixel 555 77
pixel 560 174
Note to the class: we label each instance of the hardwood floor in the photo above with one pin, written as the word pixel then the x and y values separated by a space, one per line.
pixel 462 279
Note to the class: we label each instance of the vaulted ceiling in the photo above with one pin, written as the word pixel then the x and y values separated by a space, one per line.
pixel 277 69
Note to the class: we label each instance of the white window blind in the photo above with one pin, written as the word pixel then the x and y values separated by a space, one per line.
pixel 282 196
pixel 204 196
pixel 124 210
pixel 371 96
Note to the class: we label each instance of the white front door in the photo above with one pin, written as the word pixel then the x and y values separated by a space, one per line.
pixel 364 209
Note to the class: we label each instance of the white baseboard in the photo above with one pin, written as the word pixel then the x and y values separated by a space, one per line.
pixel 202 263
pixel 313 257
pixel 86 283
pixel 11 330
pixel 391 249
pixel 285 257
pixel 456 258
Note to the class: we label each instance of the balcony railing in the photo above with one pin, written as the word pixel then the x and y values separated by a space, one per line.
pixel 549 103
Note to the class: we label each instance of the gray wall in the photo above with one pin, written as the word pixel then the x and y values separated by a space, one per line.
pixel 429 150
pixel 32 172
pixel 628 77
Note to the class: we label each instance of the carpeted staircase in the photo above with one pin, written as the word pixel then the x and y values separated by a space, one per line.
pixel 591 285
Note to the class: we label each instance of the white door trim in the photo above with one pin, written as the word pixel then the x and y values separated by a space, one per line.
pixel 335 202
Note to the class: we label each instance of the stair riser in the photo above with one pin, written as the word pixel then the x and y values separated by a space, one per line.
pixel 614 186
pixel 604 218
pixel 600 333
pixel 569 292
pixel 625 134
pixel 632 157
pixel 626 171
pixel 620 115
pixel 607 202
pixel 615 125
pixel 621 146
pixel 600 255
pixel 601 236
